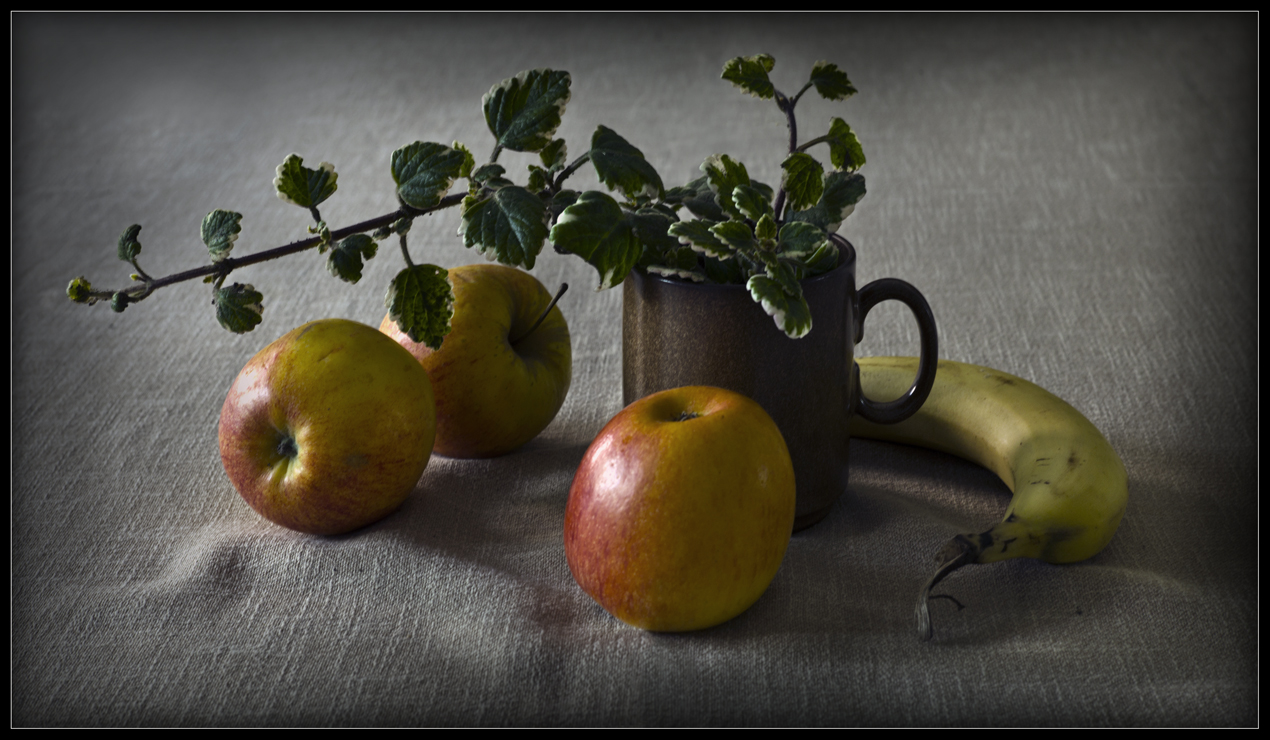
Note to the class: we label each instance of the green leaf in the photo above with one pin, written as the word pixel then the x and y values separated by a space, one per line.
pixel 845 152
pixel 750 74
pixel 621 166
pixel 424 172
pixel 129 247
pixel 752 202
pixel 80 291
pixel 651 228
pixel 843 190
pixel 724 175
pixel 301 186
pixel 596 229
pixel 345 260
pixel 790 312
pixel 801 239
pixel 220 230
pixel 553 155
pixel 486 171
pixel 737 235
pixel 509 226
pixel 804 180
pixel 699 199
pixel 238 307
pixel 831 82
pixel 697 235
pixel 723 271
pixel 523 112
pixel 421 303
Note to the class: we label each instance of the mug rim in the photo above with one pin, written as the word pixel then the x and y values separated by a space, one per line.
pixel 846 258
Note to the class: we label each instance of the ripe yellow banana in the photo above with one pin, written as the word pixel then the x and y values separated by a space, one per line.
pixel 1069 485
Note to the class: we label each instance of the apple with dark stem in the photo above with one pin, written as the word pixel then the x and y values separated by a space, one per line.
pixel 503 371
pixel 328 428
pixel 681 510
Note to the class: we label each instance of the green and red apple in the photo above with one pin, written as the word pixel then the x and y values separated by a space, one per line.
pixel 681 510
pixel 498 379
pixel 329 428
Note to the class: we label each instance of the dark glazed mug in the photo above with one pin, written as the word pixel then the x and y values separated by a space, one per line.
pixel 676 333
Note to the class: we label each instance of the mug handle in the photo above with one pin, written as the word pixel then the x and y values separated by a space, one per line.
pixel 888 289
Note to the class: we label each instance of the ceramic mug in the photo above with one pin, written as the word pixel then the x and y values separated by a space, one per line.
pixel 676 333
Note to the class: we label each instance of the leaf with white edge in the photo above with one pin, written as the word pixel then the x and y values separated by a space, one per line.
pixel 697 235
pixel 765 230
pixel 596 229
pixel 558 203
pixel 750 74
pixel 737 235
pixel 238 307
pixel 824 259
pixel 421 303
pixel 554 154
pixel 128 245
pixel 424 172
pixel 523 112
pixel 831 82
pixel 804 180
pixel 845 152
pixel 724 175
pixel 538 179
pixel 843 190
pixel 680 263
pixel 469 161
pixel 345 260
pixel 220 230
pixel 752 202
pixel 509 226
pixel 301 186
pixel 790 312
pixel 621 166
pixel 801 239
pixel 324 236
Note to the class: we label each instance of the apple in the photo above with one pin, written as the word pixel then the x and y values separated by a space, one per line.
pixel 497 384
pixel 681 511
pixel 329 428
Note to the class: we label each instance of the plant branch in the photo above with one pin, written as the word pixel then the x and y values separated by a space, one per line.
pixel 224 267
pixel 567 171
pixel 405 253
pixel 787 106
pixel 798 95
pixel 818 140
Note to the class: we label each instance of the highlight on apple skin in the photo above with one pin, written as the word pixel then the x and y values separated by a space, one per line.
pixel 497 384
pixel 681 510
pixel 329 428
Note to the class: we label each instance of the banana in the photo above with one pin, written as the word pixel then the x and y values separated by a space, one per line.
pixel 1070 487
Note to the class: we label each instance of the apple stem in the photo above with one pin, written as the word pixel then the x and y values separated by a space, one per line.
pixel 563 288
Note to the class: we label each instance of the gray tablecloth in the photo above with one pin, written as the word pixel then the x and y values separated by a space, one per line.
pixel 1075 195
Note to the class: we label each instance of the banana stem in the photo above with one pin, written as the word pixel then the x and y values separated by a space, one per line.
pixel 959 551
